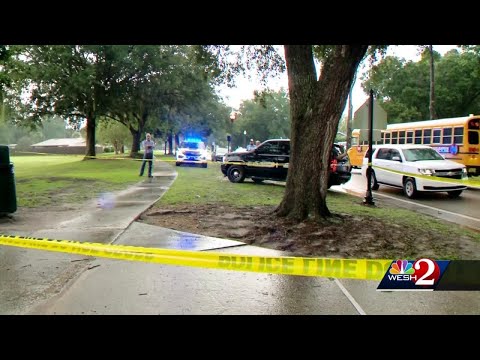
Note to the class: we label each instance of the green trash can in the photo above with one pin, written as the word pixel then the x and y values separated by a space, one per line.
pixel 4 155
pixel 8 196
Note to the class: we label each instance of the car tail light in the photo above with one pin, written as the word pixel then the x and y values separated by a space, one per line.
pixel 333 165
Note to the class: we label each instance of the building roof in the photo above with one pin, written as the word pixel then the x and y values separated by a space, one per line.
pixel 69 142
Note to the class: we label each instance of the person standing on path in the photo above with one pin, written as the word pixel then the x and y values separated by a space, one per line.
pixel 148 146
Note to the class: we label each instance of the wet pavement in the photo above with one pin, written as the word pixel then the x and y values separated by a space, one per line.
pixel 138 288
pixel 29 277
pixel 119 287
pixel 40 282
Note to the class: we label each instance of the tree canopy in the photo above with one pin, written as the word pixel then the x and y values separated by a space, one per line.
pixel 132 84
pixel 263 118
pixel 403 86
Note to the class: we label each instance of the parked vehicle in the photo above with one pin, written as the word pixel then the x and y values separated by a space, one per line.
pixel 218 153
pixel 270 160
pixel 409 166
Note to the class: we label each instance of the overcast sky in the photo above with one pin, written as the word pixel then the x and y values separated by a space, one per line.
pixel 245 88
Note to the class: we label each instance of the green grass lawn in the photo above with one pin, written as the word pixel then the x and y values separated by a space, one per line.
pixel 195 185
pixel 48 179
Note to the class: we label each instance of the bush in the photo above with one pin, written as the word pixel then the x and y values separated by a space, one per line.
pixel 24 143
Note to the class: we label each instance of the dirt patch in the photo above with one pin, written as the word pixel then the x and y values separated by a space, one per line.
pixel 343 236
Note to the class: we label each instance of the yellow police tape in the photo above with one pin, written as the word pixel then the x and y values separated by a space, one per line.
pixel 364 269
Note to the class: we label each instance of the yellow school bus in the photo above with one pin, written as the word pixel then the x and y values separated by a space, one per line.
pixel 358 148
pixel 457 139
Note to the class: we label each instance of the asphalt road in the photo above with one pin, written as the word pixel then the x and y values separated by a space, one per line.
pixel 466 207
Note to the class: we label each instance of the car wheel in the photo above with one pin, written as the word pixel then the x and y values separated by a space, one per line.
pixel 257 181
pixel 204 166
pixel 410 188
pixel 236 174
pixel 177 164
pixel 454 194
pixel 373 181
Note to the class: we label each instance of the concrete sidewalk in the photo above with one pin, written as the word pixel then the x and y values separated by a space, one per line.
pixel 40 282
pixel 31 276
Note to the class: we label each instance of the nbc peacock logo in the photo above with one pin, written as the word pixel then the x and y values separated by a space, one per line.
pixel 402 270
pixel 402 267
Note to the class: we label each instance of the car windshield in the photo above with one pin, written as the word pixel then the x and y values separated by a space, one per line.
pixel 191 145
pixel 421 154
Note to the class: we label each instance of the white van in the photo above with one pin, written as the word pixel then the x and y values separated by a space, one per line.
pixel 409 166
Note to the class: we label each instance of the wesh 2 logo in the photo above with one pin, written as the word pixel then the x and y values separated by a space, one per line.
pixel 422 274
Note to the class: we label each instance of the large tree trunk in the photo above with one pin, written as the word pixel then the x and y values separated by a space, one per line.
pixel 433 113
pixel 136 135
pixel 315 108
pixel 135 141
pixel 90 150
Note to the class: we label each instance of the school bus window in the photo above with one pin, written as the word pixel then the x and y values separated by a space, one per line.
pixel 474 124
pixel 447 135
pixel 394 137
pixel 409 137
pixel 401 137
pixel 436 136
pixel 418 137
pixel 426 136
pixel 387 138
pixel 458 135
pixel 473 137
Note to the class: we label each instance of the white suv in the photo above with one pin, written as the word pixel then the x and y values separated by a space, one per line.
pixel 397 165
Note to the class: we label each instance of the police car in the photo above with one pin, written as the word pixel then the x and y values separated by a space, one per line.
pixel 269 161
pixel 192 152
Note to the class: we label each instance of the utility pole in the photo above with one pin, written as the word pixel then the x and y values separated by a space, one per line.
pixel 433 113
pixel 368 200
